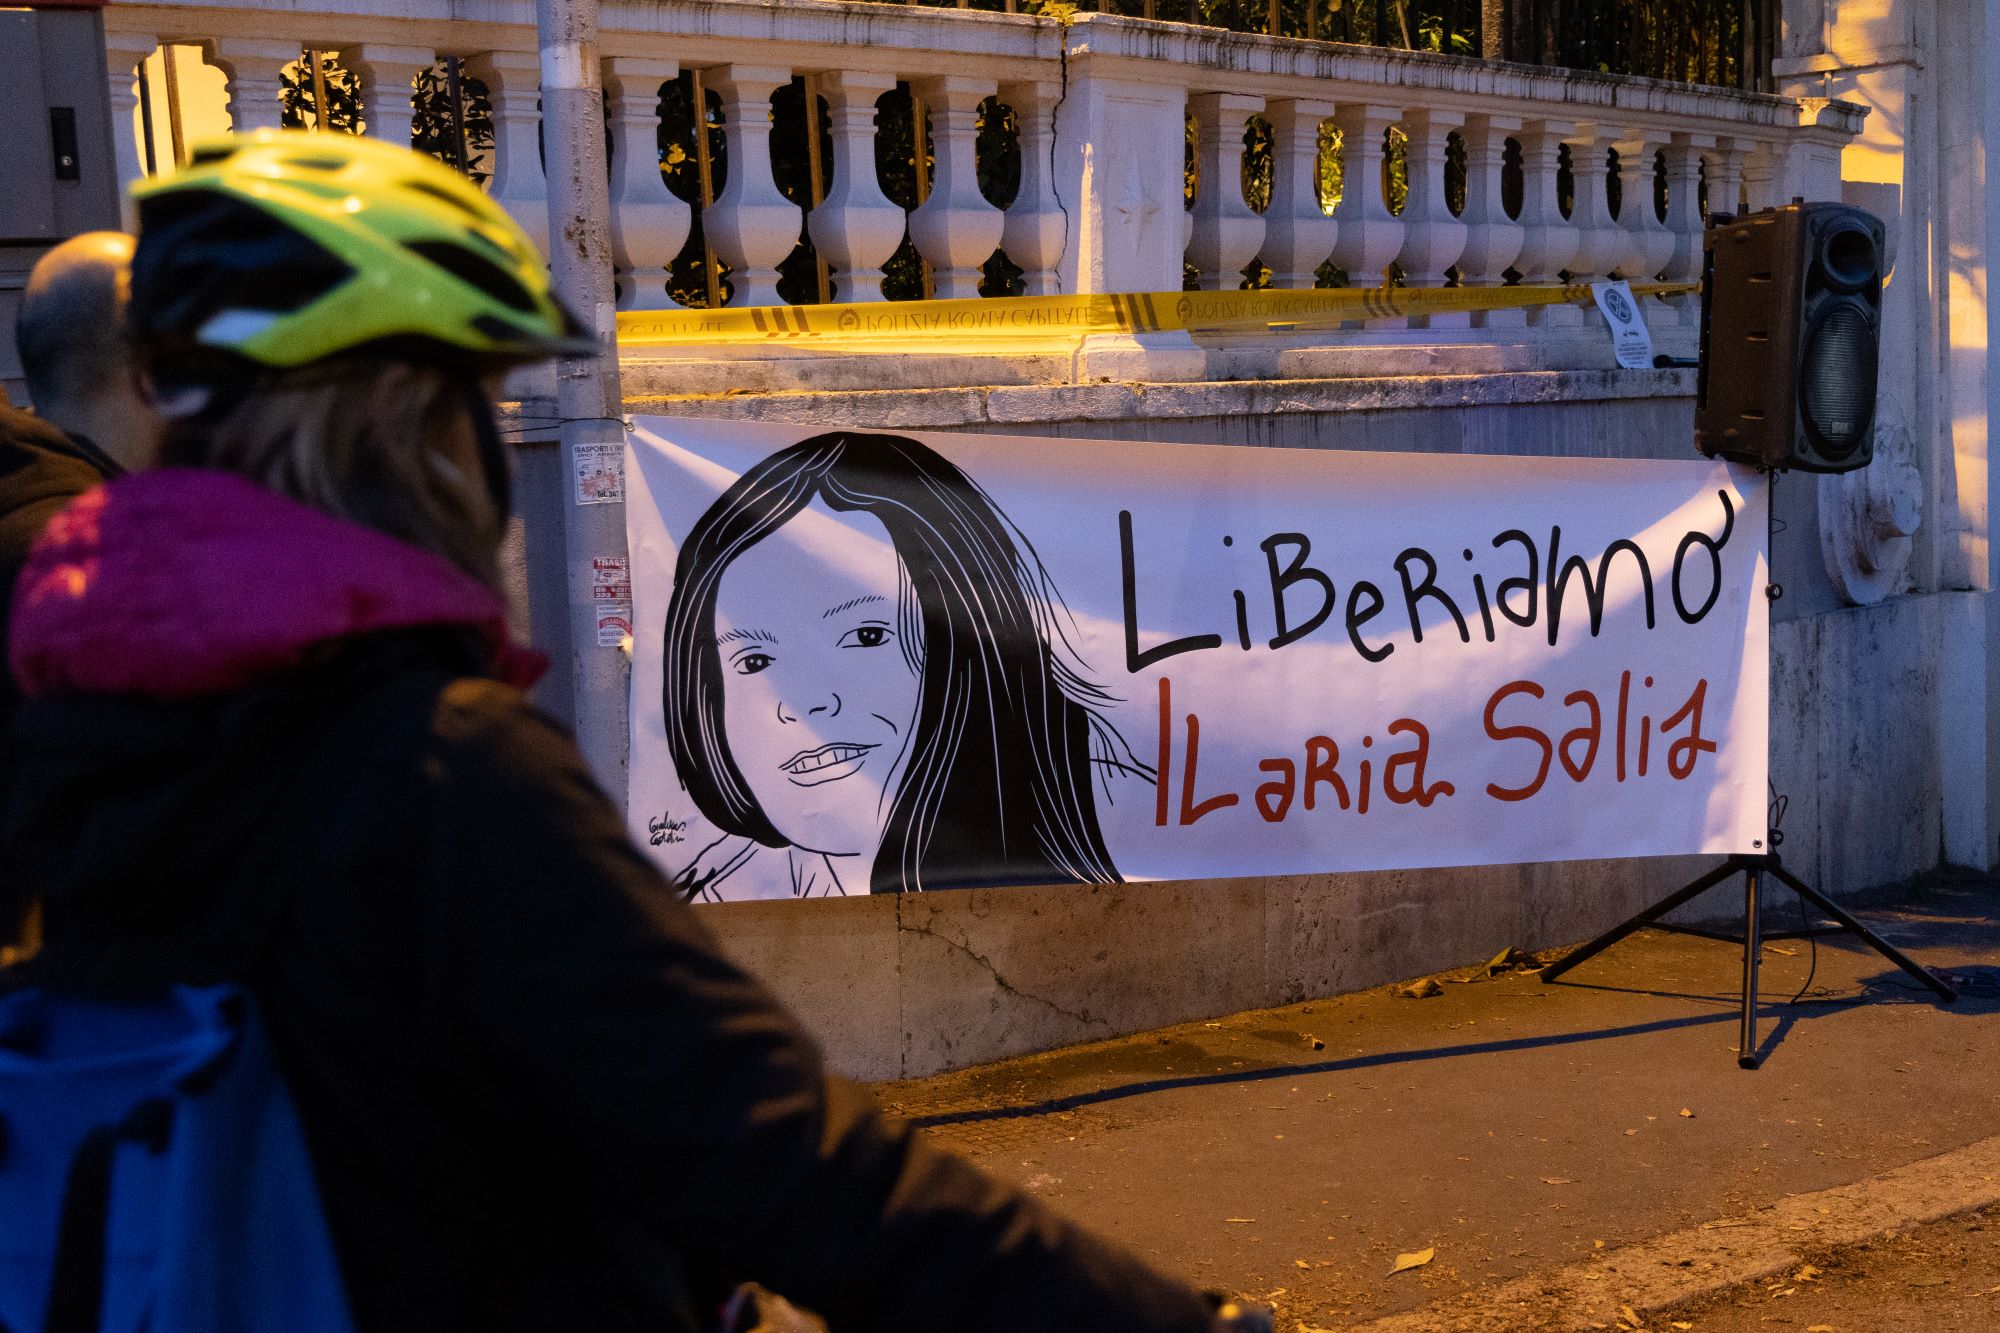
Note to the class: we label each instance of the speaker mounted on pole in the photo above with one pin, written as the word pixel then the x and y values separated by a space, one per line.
pixel 1791 321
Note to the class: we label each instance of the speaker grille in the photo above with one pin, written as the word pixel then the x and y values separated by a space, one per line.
pixel 1837 380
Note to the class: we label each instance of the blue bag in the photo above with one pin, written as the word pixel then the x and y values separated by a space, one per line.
pixel 153 1173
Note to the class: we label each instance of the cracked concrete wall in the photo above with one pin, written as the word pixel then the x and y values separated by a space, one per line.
pixel 903 987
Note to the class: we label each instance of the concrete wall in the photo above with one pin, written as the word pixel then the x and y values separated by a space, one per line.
pixel 906 986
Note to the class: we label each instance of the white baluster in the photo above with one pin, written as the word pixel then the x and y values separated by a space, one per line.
pixel 1298 230
pixel 1370 235
pixel 1684 160
pixel 648 224
pixel 1035 229
pixel 1548 241
pixel 856 227
pixel 1648 244
pixel 1433 238
pixel 1492 239
pixel 123 53
pixel 253 68
pixel 1227 231
pixel 513 82
pixel 1684 220
pixel 955 228
pixel 750 225
pixel 388 74
pixel 1601 242
pixel 1725 176
pixel 1763 177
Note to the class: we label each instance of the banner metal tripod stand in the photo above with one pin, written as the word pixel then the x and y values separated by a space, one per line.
pixel 1753 869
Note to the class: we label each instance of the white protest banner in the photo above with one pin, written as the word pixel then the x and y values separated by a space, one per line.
pixel 872 661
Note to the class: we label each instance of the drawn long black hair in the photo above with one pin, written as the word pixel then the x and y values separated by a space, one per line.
pixel 999 786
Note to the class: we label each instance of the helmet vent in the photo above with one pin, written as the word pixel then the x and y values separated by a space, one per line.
pixel 476 272
pixel 444 196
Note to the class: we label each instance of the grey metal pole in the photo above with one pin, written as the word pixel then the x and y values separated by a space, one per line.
pixel 588 398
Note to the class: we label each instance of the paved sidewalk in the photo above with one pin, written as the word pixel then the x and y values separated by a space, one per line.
pixel 1514 1128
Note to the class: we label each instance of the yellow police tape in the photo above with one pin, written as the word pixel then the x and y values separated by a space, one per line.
pixel 1052 318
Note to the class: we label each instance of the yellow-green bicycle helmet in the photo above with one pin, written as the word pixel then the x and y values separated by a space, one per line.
pixel 284 248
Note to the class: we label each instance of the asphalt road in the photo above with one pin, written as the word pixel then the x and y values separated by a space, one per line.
pixel 1507 1126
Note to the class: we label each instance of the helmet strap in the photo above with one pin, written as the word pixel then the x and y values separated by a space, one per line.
pixel 492 451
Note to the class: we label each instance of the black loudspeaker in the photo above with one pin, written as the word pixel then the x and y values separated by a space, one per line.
pixel 1791 321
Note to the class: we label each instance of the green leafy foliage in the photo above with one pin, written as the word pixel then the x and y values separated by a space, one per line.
pixel 298 96
pixel 460 138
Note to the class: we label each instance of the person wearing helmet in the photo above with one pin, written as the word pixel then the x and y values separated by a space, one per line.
pixel 275 735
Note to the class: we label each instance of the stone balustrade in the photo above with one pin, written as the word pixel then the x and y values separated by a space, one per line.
pixel 1312 162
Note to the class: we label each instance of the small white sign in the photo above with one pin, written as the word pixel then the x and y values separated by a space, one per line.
pixel 1630 340
pixel 600 474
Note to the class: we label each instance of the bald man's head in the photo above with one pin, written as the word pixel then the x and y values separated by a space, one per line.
pixel 74 352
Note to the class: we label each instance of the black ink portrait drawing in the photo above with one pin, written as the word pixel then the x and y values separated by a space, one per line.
pixel 867 674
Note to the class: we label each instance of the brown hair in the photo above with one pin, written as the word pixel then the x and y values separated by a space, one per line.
pixel 387 444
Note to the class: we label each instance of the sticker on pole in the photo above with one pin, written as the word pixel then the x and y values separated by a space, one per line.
pixel 600 474
pixel 1630 340
pixel 614 625
pixel 610 579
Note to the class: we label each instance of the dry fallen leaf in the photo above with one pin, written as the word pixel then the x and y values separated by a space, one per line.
pixel 1557 1180
pixel 1682 1323
pixel 1420 990
pixel 1686 1114
pixel 1302 1263
pixel 1630 1132
pixel 1819 1328
pixel 1626 1313
pixel 1808 1273
pixel 1597 1245
pixel 1417 1259
pixel 1239 1219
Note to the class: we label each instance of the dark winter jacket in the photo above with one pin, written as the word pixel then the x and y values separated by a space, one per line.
pixel 264 744
pixel 41 470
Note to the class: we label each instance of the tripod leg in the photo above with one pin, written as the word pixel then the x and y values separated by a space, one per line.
pixel 1645 918
pixel 1753 945
pixel 1874 941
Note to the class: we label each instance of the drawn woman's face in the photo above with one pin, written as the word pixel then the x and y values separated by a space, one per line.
pixel 818 694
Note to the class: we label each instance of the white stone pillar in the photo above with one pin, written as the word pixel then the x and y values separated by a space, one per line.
pixel 856 227
pixel 955 228
pixel 1227 232
pixel 1763 177
pixel 1601 242
pixel 1548 241
pixel 1370 235
pixel 1298 231
pixel 1119 146
pixel 388 75
pixel 1812 157
pixel 513 82
pixel 1433 237
pixel 123 53
pixel 1492 239
pixel 253 67
pixel 648 224
pixel 1034 232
